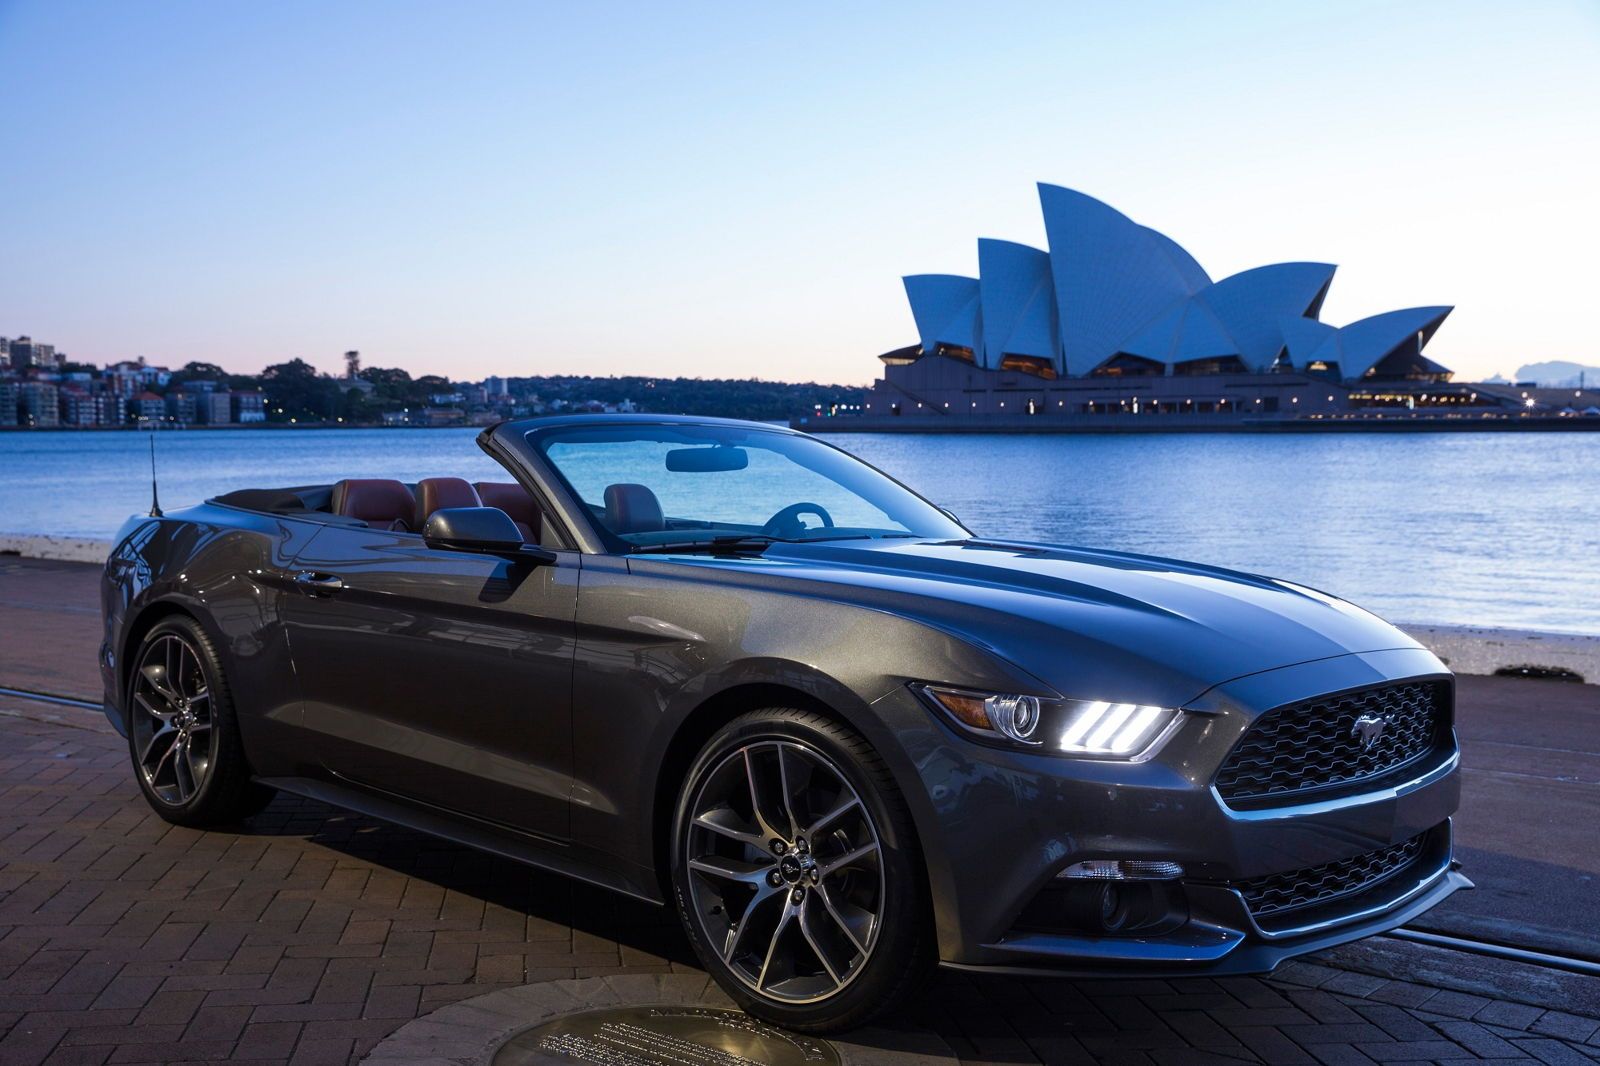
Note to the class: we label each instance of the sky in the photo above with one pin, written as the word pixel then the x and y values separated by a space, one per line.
pixel 723 190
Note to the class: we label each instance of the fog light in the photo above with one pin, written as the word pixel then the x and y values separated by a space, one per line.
pixel 1123 870
pixel 1113 908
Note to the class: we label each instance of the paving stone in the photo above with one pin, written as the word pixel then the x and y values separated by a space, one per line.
pixel 311 935
pixel 1553 1052
pixel 1566 1026
pixel 1339 1055
pixel 1401 994
pixel 1509 1015
pixel 1355 984
pixel 1457 1004
pixel 1478 1040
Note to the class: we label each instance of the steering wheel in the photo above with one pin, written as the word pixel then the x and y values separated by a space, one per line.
pixel 786 523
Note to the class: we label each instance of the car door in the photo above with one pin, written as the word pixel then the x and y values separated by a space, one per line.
pixel 438 676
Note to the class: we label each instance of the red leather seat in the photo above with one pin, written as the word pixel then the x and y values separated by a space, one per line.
pixel 379 502
pixel 633 509
pixel 515 501
pixel 436 492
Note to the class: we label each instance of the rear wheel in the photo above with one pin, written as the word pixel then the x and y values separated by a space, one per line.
pixel 797 875
pixel 182 734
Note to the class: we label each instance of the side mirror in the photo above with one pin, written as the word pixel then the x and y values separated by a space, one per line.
pixel 487 530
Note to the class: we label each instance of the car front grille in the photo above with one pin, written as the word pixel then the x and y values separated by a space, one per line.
pixel 1319 884
pixel 1335 740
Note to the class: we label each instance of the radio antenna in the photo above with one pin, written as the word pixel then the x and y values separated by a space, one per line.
pixel 155 500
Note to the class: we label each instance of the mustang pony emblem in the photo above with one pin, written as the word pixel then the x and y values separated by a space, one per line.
pixel 1369 727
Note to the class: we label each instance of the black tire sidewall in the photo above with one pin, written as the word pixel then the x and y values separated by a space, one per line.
pixel 900 955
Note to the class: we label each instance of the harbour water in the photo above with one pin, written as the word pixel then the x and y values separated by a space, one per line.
pixel 1499 529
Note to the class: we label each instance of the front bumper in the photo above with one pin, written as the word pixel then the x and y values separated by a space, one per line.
pixel 1004 824
pixel 1221 936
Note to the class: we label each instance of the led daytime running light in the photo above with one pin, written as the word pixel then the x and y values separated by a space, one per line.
pixel 1089 728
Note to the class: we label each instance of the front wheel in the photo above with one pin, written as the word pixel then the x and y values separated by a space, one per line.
pixel 797 875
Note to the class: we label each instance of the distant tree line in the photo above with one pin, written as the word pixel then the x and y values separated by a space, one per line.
pixel 295 390
pixel 722 397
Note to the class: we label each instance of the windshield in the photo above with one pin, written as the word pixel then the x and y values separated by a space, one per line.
pixel 663 485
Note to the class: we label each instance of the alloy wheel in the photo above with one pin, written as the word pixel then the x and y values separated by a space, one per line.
pixel 172 724
pixel 785 871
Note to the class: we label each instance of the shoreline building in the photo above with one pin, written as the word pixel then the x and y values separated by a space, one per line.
pixel 1116 327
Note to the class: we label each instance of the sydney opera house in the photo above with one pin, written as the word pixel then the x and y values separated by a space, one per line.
pixel 1116 326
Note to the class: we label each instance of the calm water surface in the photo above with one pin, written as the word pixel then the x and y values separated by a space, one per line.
pixel 1484 529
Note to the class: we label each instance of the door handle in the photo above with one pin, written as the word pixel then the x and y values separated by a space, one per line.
pixel 315 582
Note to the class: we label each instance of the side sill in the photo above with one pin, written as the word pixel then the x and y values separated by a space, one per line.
pixel 526 850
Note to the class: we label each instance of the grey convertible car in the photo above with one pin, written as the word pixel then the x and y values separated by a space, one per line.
pixel 729 668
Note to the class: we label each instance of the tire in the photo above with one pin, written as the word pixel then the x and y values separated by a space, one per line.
pixel 829 933
pixel 183 737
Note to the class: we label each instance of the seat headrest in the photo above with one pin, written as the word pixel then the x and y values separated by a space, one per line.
pixel 515 501
pixel 633 509
pixel 436 492
pixel 379 502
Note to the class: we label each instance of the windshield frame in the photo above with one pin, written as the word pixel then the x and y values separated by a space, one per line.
pixel 526 438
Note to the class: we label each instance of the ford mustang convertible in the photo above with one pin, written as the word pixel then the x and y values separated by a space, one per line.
pixel 728 668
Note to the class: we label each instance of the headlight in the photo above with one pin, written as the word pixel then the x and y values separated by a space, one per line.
pixel 1095 729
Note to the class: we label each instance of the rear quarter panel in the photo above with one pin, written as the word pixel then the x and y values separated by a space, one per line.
pixel 227 568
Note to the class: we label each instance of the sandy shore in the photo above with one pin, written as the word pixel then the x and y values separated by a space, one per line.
pixel 1465 649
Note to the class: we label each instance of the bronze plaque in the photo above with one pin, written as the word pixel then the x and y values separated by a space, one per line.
pixel 662 1036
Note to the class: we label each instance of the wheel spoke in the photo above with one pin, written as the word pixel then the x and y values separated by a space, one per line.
pixel 748 873
pixel 188 680
pixel 849 858
pixel 772 945
pixel 822 956
pixel 183 770
pixel 846 804
pixel 717 821
pixel 755 799
pixel 156 676
pixel 737 929
pixel 151 709
pixel 150 745
pixel 840 921
pixel 785 793
pixel 155 771
pixel 174 670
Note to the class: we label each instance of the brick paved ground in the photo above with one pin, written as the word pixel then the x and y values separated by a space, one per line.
pixel 309 934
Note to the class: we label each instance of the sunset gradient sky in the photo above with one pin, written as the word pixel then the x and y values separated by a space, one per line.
pixel 735 190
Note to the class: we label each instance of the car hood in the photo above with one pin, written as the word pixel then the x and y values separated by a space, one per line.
pixel 1101 624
